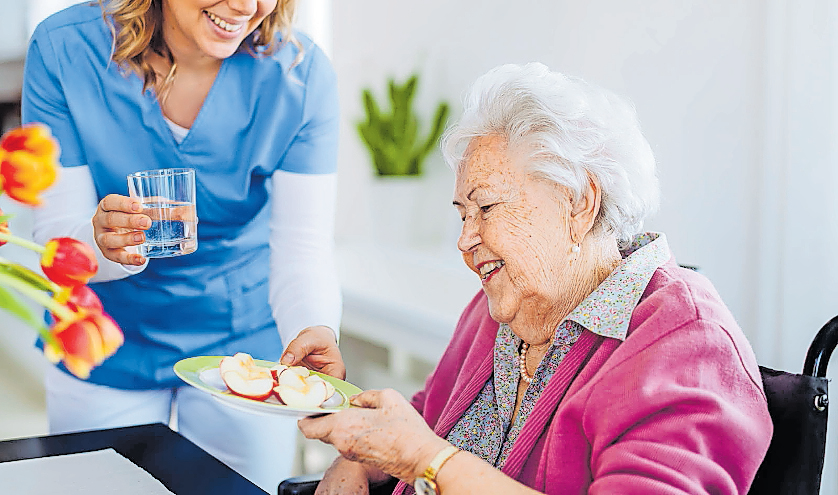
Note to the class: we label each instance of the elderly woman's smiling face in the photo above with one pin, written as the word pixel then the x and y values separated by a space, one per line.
pixel 515 235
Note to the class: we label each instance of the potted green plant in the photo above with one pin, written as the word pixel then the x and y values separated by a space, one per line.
pixel 398 148
pixel 392 136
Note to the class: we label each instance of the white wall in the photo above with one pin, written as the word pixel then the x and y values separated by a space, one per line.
pixel 14 34
pixel 735 96
pixel 688 67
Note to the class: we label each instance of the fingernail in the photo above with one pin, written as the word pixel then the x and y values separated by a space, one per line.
pixel 145 222
pixel 138 237
pixel 136 207
pixel 287 358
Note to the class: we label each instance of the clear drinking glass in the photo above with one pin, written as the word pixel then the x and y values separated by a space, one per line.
pixel 168 197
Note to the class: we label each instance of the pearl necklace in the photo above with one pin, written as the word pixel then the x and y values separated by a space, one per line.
pixel 522 363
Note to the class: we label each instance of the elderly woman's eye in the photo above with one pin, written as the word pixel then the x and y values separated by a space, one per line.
pixel 486 208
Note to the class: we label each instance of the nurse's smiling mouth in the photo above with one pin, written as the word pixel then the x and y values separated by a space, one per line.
pixel 227 26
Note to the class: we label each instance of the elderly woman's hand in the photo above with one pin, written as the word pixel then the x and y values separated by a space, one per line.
pixel 384 432
pixel 345 477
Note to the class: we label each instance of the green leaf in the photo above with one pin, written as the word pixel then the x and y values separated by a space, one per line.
pixel 10 303
pixel 393 137
pixel 26 275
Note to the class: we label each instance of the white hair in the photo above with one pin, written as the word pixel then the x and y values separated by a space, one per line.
pixel 571 129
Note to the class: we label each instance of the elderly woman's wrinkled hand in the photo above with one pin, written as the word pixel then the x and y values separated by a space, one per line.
pixel 383 431
pixel 345 477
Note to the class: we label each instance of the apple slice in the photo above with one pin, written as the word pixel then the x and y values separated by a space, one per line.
pixel 330 390
pixel 303 398
pixel 319 386
pixel 240 362
pixel 309 392
pixel 276 370
pixel 292 376
pixel 258 387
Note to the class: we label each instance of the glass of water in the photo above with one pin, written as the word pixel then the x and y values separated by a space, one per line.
pixel 168 198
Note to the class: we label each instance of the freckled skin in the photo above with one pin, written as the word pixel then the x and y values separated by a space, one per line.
pixel 527 227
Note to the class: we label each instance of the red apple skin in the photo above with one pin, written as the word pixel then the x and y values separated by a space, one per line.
pixel 259 389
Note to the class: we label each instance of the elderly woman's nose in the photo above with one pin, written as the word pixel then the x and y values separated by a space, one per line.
pixel 469 236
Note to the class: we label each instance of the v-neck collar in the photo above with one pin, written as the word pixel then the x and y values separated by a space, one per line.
pixel 209 100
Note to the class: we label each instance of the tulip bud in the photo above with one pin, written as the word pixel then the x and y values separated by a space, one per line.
pixel 68 262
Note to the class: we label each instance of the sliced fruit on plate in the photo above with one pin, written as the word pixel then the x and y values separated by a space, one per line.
pixel 296 390
pixel 295 386
pixel 276 370
pixel 309 396
pixel 256 388
pixel 293 376
pixel 240 362
pixel 244 378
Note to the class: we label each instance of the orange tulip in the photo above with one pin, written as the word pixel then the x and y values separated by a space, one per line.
pixel 84 342
pixel 28 162
pixel 68 262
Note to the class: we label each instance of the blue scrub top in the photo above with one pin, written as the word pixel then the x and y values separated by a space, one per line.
pixel 260 116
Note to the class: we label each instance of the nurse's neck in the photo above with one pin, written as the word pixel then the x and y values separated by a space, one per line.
pixel 182 96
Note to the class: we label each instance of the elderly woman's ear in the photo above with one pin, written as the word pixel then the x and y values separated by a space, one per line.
pixel 584 211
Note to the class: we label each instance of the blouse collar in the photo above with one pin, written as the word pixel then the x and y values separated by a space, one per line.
pixel 607 310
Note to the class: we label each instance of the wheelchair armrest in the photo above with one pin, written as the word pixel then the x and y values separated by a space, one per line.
pixel 820 350
pixel 300 485
pixel 307 484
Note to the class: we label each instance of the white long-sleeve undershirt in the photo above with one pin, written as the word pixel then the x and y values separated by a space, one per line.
pixel 303 284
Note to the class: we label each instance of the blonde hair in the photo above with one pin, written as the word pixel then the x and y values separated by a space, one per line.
pixel 137 26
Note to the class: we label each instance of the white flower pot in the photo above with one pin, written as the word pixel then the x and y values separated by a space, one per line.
pixel 396 209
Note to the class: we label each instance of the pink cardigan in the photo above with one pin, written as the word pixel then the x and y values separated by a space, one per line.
pixel 678 407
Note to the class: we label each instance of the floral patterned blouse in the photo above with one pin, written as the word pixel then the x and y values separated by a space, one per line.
pixel 486 429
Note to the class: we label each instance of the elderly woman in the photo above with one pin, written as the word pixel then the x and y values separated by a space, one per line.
pixel 590 362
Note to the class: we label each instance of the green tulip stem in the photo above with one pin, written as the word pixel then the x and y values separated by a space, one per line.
pixel 53 287
pixel 36 295
pixel 22 242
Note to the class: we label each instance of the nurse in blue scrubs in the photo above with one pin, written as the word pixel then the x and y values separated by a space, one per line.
pixel 228 88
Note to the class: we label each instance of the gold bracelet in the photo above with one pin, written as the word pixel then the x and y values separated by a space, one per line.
pixel 426 484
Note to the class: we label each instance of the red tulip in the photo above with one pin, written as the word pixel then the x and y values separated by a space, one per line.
pixel 84 342
pixel 77 298
pixel 68 262
pixel 28 162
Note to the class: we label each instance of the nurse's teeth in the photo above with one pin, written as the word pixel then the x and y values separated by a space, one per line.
pixel 222 23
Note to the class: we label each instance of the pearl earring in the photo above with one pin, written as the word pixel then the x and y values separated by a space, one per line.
pixel 575 248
